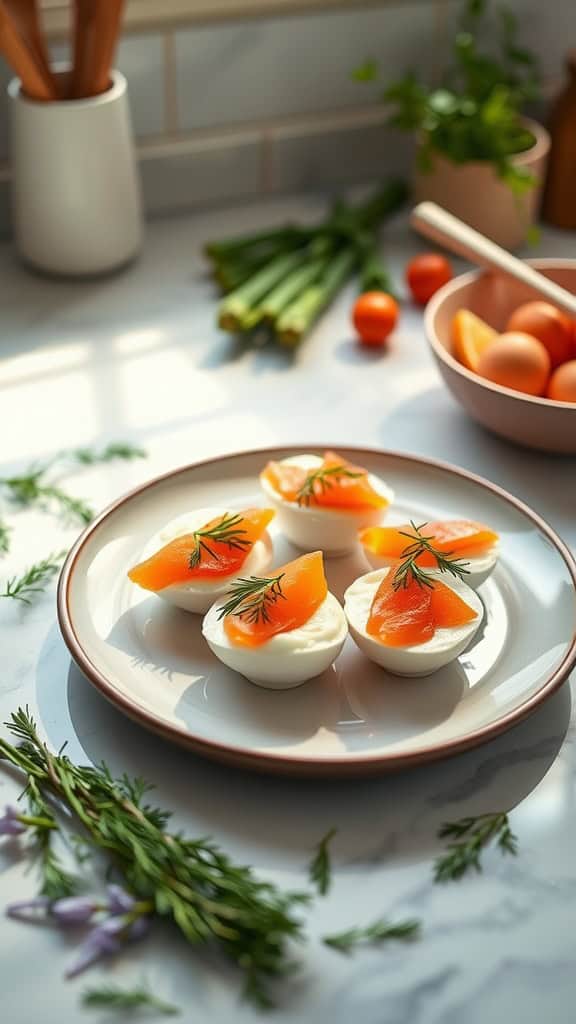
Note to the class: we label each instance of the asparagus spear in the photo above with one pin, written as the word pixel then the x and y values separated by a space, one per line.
pixel 239 310
pixel 288 234
pixel 299 316
pixel 289 288
pixel 373 275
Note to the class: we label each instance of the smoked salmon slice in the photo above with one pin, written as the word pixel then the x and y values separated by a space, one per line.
pixel 336 483
pixel 217 549
pixel 285 601
pixel 454 536
pixel 411 615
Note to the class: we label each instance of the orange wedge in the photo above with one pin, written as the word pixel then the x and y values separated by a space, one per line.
pixel 171 564
pixel 454 536
pixel 471 336
pixel 300 591
pixel 336 484
pixel 411 615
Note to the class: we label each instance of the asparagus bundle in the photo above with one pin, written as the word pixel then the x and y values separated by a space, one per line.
pixel 284 278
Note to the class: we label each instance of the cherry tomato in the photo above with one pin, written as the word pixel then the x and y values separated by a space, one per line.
pixel 425 274
pixel 374 317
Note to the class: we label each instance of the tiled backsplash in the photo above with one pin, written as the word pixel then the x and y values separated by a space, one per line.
pixel 238 108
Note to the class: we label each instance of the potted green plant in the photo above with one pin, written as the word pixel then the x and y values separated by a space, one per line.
pixel 477 155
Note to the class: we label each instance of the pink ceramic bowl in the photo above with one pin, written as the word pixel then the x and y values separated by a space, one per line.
pixel 532 422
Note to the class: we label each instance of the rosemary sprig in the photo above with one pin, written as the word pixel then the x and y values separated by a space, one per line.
pixel 374 935
pixel 324 477
pixel 227 531
pixel 252 598
pixel 410 572
pixel 33 580
pixel 4 538
pixel 191 882
pixel 320 867
pixel 470 837
pixel 112 997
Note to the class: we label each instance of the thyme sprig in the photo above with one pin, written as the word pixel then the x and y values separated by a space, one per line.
pixel 227 531
pixel 252 598
pixel 113 997
pixel 33 580
pixel 374 935
pixel 323 478
pixel 320 867
pixel 470 836
pixel 410 572
pixel 191 882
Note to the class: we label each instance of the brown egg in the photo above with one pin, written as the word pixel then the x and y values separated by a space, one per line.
pixel 547 323
pixel 518 361
pixel 562 384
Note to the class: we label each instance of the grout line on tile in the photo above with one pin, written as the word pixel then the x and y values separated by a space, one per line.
pixel 171 119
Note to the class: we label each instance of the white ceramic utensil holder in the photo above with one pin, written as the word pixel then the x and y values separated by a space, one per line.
pixel 76 195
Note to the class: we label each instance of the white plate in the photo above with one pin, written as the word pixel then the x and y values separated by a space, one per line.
pixel 151 661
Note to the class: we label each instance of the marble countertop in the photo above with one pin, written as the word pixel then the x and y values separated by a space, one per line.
pixel 138 357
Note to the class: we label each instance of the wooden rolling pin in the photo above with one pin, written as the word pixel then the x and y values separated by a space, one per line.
pixel 446 230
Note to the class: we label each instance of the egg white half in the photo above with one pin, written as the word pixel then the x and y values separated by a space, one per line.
pixel 479 567
pixel 287 659
pixel 312 527
pixel 418 660
pixel 198 595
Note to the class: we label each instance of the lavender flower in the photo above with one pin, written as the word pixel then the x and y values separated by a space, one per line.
pixel 106 939
pixel 119 901
pixel 21 911
pixel 72 910
pixel 10 824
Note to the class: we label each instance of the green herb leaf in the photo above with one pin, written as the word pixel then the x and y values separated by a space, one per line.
pixel 320 867
pixel 470 836
pixel 34 580
pixel 4 538
pixel 116 450
pixel 252 598
pixel 191 882
pixel 409 571
pixel 228 530
pixel 374 934
pixel 322 479
pixel 112 997
pixel 366 72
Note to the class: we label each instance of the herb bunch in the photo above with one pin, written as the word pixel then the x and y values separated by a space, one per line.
pixel 192 883
pixel 475 114
pixel 469 837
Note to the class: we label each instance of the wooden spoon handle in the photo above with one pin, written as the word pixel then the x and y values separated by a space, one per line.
pixel 21 60
pixel 97 26
pixel 108 40
pixel 24 14
pixel 445 229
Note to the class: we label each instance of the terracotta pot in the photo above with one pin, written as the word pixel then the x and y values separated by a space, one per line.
pixel 475 193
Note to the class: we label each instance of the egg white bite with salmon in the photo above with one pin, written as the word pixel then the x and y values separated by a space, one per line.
pixel 413 620
pixel 194 559
pixel 280 630
pixel 322 503
pixel 472 543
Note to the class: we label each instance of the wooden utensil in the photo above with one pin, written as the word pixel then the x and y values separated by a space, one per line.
pixel 97 26
pixel 24 14
pixel 445 229
pixel 22 61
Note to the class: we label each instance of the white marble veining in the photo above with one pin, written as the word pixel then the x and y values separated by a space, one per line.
pixel 137 356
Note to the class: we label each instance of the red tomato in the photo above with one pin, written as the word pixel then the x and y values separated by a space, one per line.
pixel 374 317
pixel 425 274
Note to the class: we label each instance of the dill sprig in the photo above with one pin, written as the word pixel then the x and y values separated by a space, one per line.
pixel 252 598
pixel 32 488
pixel 320 867
pixel 227 531
pixel 410 572
pixel 4 538
pixel 470 837
pixel 190 882
pixel 116 450
pixel 323 478
pixel 374 934
pixel 33 580
pixel 112 997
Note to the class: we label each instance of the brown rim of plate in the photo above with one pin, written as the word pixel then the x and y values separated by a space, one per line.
pixel 444 354
pixel 333 766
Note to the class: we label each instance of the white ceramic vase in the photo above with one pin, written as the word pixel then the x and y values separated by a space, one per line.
pixel 76 193
pixel 474 192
